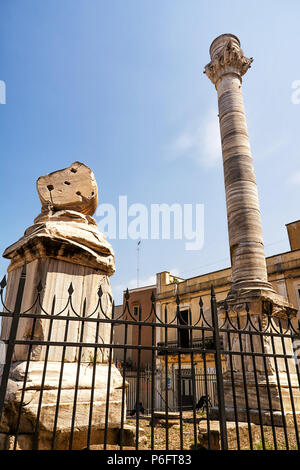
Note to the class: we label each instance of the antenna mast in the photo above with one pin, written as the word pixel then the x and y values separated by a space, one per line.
pixel 138 264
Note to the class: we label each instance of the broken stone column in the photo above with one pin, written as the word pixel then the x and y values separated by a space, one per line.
pixel 250 284
pixel 63 246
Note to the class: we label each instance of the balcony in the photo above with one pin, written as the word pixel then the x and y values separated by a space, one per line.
pixel 197 345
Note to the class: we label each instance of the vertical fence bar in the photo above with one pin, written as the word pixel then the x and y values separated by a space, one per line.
pixel 153 381
pixel 166 379
pixel 193 381
pixel 236 418
pixel 77 375
pixel 123 384
pixel 244 379
pixel 137 406
pixel 24 385
pixel 39 290
pixel 147 372
pixel 12 338
pixel 59 387
pixel 93 383
pixel 261 334
pixel 256 380
pixel 289 384
pixel 296 357
pixel 36 431
pixel 280 394
pixel 109 378
pixel 219 373
pixel 205 374
pixel 179 376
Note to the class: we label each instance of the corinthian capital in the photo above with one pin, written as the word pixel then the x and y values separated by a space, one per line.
pixel 226 57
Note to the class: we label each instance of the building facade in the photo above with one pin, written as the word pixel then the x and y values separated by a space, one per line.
pixel 138 307
pixel 283 274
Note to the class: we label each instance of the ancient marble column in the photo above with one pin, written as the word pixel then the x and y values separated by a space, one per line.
pixel 228 65
pixel 250 286
pixel 63 246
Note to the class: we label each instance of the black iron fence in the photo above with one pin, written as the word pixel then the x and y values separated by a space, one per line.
pixel 203 382
pixel 231 382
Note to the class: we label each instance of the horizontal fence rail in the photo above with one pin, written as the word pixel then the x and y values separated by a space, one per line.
pixel 77 379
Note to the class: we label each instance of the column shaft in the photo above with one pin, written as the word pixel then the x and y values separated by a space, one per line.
pixel 243 215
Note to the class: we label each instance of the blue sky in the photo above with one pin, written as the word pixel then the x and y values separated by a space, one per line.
pixel 119 85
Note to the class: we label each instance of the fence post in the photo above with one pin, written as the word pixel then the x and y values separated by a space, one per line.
pixel 12 339
pixel 219 374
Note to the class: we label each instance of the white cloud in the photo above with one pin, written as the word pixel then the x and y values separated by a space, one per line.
pixel 199 142
pixel 295 178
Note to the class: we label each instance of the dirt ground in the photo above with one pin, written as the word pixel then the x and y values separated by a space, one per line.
pixel 272 440
pixel 276 439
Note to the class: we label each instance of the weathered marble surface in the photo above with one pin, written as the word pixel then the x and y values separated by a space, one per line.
pixel 210 438
pixel 63 235
pixel 49 403
pixel 56 277
pixel 225 70
pixel 249 273
pixel 73 188
pixel 274 377
pixel 63 246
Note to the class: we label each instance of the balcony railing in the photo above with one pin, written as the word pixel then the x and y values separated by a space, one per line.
pixel 173 347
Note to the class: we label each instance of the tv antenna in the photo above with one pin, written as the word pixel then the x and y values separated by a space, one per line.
pixel 138 263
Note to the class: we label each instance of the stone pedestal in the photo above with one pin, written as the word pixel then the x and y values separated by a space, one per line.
pixel 262 384
pixel 63 248
pixel 56 278
pixel 30 405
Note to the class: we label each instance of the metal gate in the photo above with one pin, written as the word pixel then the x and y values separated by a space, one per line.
pixel 249 398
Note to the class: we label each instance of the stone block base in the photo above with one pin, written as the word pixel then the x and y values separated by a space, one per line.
pixel 159 419
pixel 31 400
pixel 267 418
pixel 269 395
pixel 25 441
pixel 211 439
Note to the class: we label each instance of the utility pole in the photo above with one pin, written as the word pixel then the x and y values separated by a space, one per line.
pixel 138 264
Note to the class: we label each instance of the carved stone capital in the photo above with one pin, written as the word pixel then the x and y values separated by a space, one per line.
pixel 226 57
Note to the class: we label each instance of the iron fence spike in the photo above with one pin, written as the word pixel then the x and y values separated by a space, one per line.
pixel 100 291
pixel 39 287
pixel 71 290
pixel 3 282
pixel 270 308
pixel 212 291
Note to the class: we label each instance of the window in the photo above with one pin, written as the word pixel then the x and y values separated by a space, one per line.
pixel 183 334
pixel 136 310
